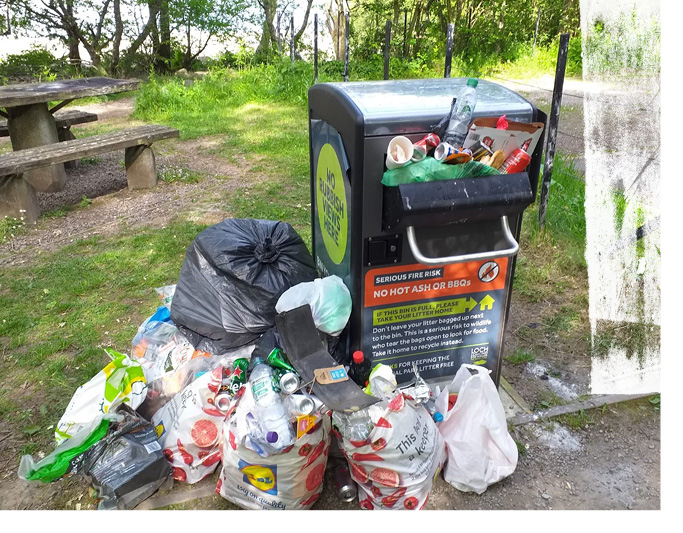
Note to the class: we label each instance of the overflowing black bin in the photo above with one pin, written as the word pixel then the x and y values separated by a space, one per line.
pixel 429 265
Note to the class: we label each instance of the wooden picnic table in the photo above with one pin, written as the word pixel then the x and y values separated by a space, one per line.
pixel 31 122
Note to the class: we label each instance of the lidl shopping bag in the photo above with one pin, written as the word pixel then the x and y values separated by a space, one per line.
pixel 190 429
pixel 480 449
pixel 120 382
pixel 289 480
pixel 398 462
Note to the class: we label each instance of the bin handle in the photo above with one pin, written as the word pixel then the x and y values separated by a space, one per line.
pixel 512 249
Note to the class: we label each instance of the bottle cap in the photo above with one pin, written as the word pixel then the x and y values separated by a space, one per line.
pixel 358 357
pixel 438 417
pixel 472 82
pixel 271 437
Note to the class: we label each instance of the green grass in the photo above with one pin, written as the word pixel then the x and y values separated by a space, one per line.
pixel 56 315
pixel 10 227
pixel 180 175
pixel 520 356
pixel 580 419
pixel 90 160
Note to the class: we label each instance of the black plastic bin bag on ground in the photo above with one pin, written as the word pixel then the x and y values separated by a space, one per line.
pixel 127 466
pixel 233 274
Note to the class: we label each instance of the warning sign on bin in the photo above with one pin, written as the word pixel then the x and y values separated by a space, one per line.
pixel 437 317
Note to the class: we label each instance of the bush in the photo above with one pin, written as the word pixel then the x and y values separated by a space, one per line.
pixel 37 63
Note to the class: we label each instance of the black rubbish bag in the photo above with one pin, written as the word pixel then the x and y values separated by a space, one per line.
pixel 127 466
pixel 233 274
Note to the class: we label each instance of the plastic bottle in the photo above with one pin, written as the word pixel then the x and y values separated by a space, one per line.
pixel 359 369
pixel 270 413
pixel 456 131
pixel 355 426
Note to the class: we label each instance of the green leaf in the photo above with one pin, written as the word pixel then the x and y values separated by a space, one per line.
pixel 43 409
pixel 545 403
pixel 32 430
pixel 655 400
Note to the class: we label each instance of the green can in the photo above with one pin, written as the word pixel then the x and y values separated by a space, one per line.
pixel 238 377
pixel 276 359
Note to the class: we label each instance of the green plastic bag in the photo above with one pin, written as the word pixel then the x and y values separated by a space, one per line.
pixel 65 456
pixel 429 169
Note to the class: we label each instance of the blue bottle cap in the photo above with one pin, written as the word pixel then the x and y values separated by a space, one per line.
pixel 271 437
pixel 438 417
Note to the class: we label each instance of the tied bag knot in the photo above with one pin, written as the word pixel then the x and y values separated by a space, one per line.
pixel 265 252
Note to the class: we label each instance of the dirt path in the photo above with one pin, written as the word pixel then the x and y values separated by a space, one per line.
pixel 111 206
pixel 611 463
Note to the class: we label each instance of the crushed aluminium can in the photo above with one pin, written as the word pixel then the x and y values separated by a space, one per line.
pixel 346 487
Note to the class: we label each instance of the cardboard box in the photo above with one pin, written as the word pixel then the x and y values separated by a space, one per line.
pixel 518 135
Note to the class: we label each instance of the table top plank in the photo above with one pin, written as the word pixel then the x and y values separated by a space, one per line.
pixel 36 93
pixel 49 154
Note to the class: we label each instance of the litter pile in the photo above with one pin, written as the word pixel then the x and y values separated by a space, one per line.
pixel 246 367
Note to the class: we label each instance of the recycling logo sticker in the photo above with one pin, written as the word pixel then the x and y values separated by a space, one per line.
pixel 488 271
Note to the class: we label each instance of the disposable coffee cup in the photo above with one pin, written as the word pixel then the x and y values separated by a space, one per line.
pixel 406 145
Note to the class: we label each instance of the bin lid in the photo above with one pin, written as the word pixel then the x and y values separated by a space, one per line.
pixel 406 106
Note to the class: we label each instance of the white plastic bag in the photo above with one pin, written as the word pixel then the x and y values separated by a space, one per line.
pixel 329 299
pixel 121 381
pixel 396 465
pixel 190 429
pixel 292 479
pixel 480 449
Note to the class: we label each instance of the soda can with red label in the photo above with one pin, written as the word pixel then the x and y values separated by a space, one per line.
pixel 424 145
pixel 517 161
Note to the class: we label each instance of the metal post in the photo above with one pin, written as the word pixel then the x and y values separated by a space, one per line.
pixel 315 48
pixel 387 45
pixel 405 32
pixel 339 33
pixel 291 36
pixel 346 50
pixel 449 52
pixel 279 37
pixel 533 48
pixel 552 127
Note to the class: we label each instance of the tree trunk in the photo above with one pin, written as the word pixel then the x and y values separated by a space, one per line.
pixel 333 21
pixel 303 24
pixel 135 45
pixel 164 59
pixel 74 52
pixel 187 58
pixel 269 33
pixel 118 34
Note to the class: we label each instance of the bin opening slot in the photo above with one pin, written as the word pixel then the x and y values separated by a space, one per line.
pixel 455 201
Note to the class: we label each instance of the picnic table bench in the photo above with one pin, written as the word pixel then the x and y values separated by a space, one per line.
pixel 30 111
pixel 63 119
pixel 17 195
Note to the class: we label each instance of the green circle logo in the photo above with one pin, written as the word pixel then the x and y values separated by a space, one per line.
pixel 331 203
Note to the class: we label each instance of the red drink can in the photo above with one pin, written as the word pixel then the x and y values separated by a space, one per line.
pixel 517 161
pixel 424 145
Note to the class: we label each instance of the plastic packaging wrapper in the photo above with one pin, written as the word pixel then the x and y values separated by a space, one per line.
pixel 480 449
pixel 120 382
pixel 189 428
pixel 127 466
pixel 329 299
pixel 163 389
pixel 429 169
pixel 233 274
pixel 292 479
pixel 396 464
pixel 160 348
pixel 166 294
pixel 66 456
